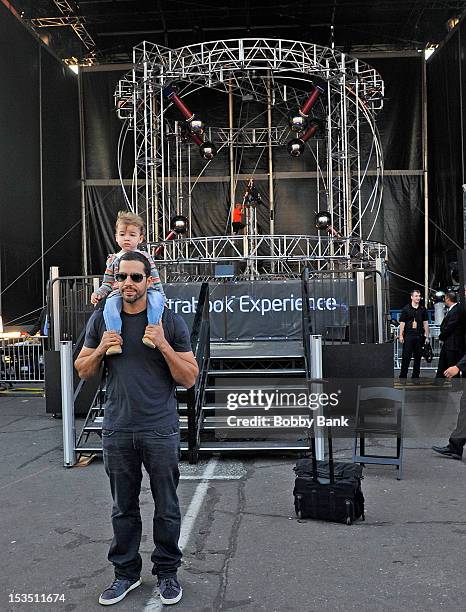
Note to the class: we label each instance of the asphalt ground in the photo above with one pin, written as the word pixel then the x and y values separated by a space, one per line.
pixel 244 548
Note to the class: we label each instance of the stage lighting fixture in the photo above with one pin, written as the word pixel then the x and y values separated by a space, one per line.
pixel 196 138
pixel 196 126
pixel 322 220
pixel 306 108
pixel 170 93
pixel 179 224
pixel 295 147
pixel 208 150
pixel 297 122
pixel 311 130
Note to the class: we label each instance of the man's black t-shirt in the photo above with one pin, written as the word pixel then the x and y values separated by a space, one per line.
pixel 409 314
pixel 140 393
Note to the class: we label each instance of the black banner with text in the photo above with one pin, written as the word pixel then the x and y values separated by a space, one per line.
pixel 265 309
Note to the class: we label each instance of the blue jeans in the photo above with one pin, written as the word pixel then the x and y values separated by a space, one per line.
pixel 112 309
pixel 124 455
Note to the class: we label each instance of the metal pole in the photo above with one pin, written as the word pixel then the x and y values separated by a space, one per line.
pixel 67 403
pixel 232 154
pixel 54 273
pixel 168 213
pixel 426 179
pixel 82 141
pixel 134 187
pixel 147 139
pixel 1 316
pixel 151 161
pixel 360 288
pixel 271 190
pixel 156 161
pixel 41 177
pixel 316 372
pixel 270 151
pixel 329 151
pixel 190 211
pixel 161 128
pixel 379 266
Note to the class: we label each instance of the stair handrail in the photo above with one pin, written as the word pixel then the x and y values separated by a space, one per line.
pixel 306 321
pixel 200 343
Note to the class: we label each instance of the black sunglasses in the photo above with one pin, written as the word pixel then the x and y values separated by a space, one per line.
pixel 136 277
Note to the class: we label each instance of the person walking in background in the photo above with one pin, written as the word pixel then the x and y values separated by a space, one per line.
pixel 413 332
pixel 457 440
pixel 451 334
pixel 41 326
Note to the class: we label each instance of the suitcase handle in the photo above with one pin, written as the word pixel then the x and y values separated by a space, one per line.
pixel 330 457
pixel 314 458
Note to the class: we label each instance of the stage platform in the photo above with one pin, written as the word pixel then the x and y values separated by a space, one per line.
pixel 258 349
pixel 408 555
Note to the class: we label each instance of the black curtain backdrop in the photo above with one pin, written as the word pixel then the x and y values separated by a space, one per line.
pixel 400 221
pixel 400 121
pixel 102 128
pixel 103 204
pixel 36 87
pixel 446 137
pixel 61 166
pixel 19 160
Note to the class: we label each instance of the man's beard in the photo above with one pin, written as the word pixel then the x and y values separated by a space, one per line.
pixel 130 299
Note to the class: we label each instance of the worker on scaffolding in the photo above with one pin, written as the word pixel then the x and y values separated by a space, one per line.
pixel 238 218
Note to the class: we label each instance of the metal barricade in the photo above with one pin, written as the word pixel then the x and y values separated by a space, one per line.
pixel 69 303
pixel 22 359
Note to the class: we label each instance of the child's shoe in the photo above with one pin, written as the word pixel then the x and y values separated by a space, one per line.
pixel 115 349
pixel 148 342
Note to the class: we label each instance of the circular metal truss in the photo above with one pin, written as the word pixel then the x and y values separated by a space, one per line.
pixel 279 75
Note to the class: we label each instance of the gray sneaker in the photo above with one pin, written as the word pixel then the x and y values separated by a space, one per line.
pixel 170 590
pixel 118 590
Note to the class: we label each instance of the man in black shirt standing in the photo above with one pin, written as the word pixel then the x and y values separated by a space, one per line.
pixel 141 427
pixel 414 331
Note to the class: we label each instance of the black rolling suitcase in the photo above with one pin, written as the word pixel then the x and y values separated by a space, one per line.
pixel 328 490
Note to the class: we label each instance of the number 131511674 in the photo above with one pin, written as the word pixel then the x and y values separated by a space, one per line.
pixel 36 597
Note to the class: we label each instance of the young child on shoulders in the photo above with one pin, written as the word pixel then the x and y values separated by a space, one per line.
pixel 129 234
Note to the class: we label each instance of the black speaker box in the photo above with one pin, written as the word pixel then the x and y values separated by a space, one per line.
pixel 361 325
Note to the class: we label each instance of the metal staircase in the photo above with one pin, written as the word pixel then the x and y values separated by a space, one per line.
pixel 239 368
pixel 268 366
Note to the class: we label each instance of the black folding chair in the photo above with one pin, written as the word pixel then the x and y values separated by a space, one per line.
pixel 372 420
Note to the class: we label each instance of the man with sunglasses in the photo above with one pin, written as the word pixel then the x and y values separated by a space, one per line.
pixel 141 427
